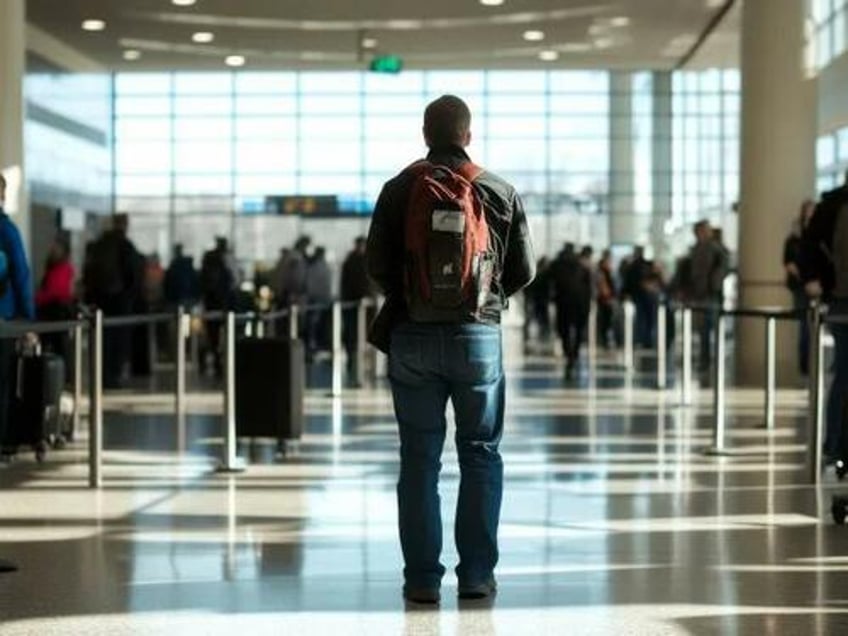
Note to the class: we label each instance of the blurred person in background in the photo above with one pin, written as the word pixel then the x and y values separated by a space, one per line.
pixel 792 265
pixel 537 302
pixel 319 296
pixel 606 295
pixel 112 280
pixel 572 283
pixel 355 287
pixel 637 287
pixel 218 287
pixel 181 285
pixel 708 267
pixel 55 299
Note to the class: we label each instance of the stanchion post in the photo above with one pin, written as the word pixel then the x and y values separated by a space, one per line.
pixel 687 357
pixel 662 347
pixel 771 373
pixel 362 326
pixel 629 357
pixel 719 397
pixel 78 336
pixel 230 462
pixel 95 420
pixel 817 393
pixel 338 350
pixel 593 335
pixel 294 322
pixel 180 371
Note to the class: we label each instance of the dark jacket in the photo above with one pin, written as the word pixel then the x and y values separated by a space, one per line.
pixel 572 283
pixel 17 302
pixel 817 240
pixel 355 283
pixel 181 281
pixel 510 237
pixel 111 270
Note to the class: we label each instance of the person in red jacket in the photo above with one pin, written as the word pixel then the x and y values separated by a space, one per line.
pixel 55 297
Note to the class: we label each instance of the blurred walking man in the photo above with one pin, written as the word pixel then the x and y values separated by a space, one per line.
pixel 449 243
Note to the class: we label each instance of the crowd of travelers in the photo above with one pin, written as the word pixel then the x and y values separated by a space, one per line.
pixel 569 283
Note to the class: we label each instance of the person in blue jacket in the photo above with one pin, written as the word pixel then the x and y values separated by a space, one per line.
pixel 16 303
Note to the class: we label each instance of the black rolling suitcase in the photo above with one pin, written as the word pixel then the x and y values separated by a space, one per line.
pixel 36 413
pixel 270 384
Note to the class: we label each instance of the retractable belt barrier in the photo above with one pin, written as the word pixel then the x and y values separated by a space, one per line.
pixel 93 323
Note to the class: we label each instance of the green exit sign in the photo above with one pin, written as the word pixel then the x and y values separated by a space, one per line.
pixel 387 64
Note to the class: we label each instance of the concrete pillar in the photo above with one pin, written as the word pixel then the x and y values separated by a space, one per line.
pixel 662 164
pixel 12 68
pixel 777 165
pixel 622 206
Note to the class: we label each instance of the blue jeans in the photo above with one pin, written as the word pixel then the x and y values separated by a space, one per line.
pixel 836 443
pixel 429 364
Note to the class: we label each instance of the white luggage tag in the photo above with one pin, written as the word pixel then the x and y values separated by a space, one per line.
pixel 451 221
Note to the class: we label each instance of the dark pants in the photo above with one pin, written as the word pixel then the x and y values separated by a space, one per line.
pixel 801 302
pixel 429 365
pixel 572 319
pixel 646 320
pixel 836 443
pixel 606 315
pixel 350 339
pixel 116 340
pixel 709 318
pixel 213 346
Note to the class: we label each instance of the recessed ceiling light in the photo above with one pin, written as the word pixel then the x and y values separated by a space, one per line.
pixel 369 43
pixel 203 37
pixel 235 60
pixel 715 4
pixel 620 21
pixel 603 43
pixel 184 3
pixel 534 36
pixel 93 25
pixel 491 3
pixel 549 56
pixel 131 55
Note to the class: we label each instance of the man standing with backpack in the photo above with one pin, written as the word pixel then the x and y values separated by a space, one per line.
pixel 448 244
pixel 824 265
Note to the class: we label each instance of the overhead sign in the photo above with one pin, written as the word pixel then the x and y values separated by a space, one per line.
pixel 319 205
pixel 391 64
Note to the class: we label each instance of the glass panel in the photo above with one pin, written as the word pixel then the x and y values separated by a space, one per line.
pixel 203 128
pixel 142 83
pixel 199 106
pixel 440 82
pixel 330 156
pixel 203 83
pixel 265 83
pixel 580 82
pixel 325 82
pixel 203 156
pixel 281 105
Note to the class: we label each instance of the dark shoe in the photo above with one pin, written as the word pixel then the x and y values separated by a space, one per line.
pixel 422 595
pixel 479 591
pixel 7 566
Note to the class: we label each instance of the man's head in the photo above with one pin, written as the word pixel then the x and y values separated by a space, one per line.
pixel 2 190
pixel 121 223
pixel 447 122
pixel 703 231
pixel 360 244
pixel 638 253
pixel 178 250
pixel 221 243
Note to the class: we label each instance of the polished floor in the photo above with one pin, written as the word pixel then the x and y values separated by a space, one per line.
pixel 614 522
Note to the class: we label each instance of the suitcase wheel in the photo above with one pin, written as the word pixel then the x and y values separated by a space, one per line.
pixel 839 509
pixel 841 470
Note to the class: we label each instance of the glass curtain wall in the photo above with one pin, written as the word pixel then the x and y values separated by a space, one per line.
pixel 829 26
pixel 706 120
pixel 832 159
pixel 217 144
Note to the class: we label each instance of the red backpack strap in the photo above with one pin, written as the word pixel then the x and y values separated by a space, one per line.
pixel 469 171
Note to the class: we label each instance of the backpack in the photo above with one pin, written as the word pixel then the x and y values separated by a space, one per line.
pixel 839 254
pixel 449 266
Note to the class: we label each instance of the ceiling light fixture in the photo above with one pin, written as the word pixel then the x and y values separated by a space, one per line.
pixel 93 25
pixel 491 3
pixel 369 43
pixel 549 56
pixel 132 55
pixel 620 21
pixel 235 60
pixel 603 43
pixel 203 37
pixel 534 36
pixel 184 3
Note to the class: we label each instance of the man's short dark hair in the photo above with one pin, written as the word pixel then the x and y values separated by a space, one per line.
pixel 447 121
